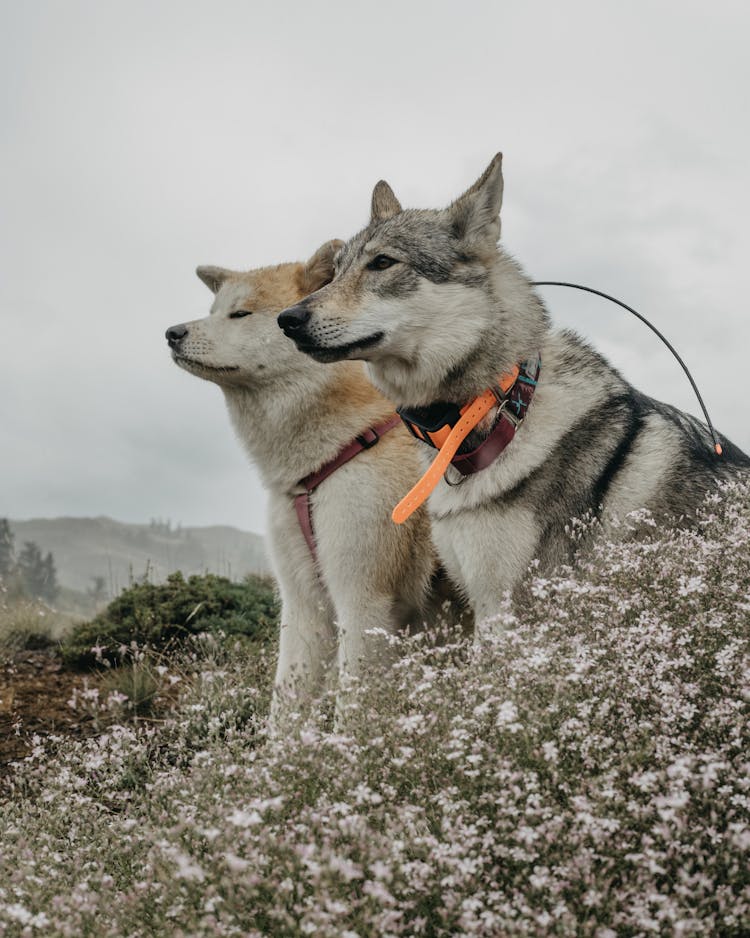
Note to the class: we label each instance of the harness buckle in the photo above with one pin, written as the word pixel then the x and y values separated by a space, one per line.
pixel 508 414
pixel 500 396
pixel 367 442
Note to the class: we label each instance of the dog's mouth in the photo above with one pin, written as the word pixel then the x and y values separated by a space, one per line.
pixel 192 364
pixel 323 353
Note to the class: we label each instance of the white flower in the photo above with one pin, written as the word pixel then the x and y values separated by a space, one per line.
pixel 245 818
pixel 507 717
pixel 187 868
pixel 693 584
pixel 236 864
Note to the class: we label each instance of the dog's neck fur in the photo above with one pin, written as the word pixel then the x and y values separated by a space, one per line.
pixel 482 357
pixel 319 410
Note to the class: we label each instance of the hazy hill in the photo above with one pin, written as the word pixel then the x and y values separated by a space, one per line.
pixel 85 548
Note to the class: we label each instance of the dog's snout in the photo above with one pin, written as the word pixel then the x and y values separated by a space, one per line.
pixel 293 319
pixel 175 334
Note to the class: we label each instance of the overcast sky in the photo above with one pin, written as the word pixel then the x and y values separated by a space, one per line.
pixel 140 139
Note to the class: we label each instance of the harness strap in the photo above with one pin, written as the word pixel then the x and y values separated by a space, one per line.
pixel 302 504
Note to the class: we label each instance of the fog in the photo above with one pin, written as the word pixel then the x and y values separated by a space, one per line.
pixel 142 139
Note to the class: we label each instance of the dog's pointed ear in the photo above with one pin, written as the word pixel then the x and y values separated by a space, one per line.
pixel 384 202
pixel 475 215
pixel 213 277
pixel 319 270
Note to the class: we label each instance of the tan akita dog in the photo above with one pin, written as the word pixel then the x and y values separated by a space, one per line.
pixel 294 415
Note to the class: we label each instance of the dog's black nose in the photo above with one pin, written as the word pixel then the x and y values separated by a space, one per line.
pixel 293 319
pixel 175 334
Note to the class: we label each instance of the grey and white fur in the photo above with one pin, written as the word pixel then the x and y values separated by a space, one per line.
pixel 439 311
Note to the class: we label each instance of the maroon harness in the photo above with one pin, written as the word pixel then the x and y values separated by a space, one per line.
pixel 302 505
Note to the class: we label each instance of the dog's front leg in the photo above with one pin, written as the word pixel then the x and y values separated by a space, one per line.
pixel 364 625
pixel 487 551
pixel 364 629
pixel 306 649
pixel 307 639
pixel 364 604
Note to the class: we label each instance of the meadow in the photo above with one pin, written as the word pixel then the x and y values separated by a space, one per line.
pixel 582 768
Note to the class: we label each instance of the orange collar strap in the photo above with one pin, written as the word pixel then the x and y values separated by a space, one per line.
pixel 445 427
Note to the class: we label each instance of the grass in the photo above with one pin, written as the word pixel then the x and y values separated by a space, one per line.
pixel 29 625
pixel 581 769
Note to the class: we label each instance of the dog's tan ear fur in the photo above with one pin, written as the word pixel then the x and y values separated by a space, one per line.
pixel 384 202
pixel 213 277
pixel 319 270
pixel 475 215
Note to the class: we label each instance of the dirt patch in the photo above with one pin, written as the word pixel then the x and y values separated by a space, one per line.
pixel 34 692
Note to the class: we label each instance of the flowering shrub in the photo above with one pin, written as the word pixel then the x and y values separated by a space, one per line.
pixel 581 769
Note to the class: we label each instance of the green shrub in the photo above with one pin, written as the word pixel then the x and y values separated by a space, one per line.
pixel 159 615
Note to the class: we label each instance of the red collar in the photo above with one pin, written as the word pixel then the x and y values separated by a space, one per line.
pixel 302 505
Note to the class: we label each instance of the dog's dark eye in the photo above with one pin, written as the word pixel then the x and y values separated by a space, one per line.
pixel 381 262
pixel 239 313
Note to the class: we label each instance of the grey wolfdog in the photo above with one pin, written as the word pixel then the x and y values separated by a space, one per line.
pixel 438 311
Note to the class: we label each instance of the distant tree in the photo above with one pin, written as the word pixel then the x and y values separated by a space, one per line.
pixel 30 567
pixel 38 573
pixel 7 551
pixel 49 576
pixel 98 589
